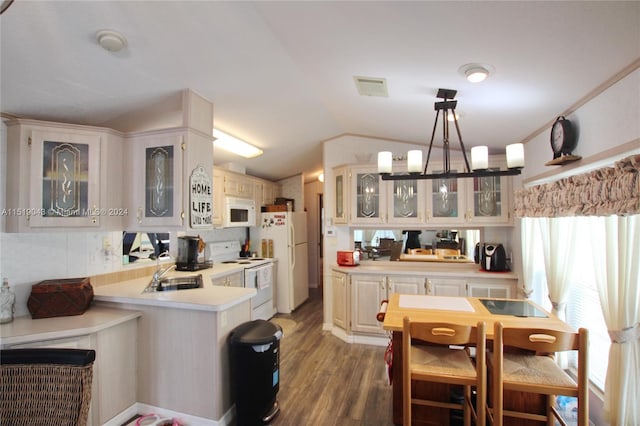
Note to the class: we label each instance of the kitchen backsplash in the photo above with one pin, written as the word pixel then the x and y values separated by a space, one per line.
pixel 28 258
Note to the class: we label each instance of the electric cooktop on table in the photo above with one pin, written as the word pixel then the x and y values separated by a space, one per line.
pixel 517 308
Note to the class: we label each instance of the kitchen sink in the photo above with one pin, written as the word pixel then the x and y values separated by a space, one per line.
pixel 184 282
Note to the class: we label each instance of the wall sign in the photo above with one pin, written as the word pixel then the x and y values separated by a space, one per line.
pixel 201 200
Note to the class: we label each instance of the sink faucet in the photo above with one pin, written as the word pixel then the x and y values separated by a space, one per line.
pixel 158 274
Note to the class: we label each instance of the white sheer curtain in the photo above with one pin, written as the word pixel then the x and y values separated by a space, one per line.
pixel 616 247
pixel 530 245
pixel 558 246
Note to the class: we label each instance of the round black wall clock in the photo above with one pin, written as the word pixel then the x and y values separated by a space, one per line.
pixel 563 137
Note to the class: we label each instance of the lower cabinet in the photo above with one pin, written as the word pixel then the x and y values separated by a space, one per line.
pixel 232 280
pixel 437 286
pixel 339 283
pixel 356 297
pixel 367 291
pixel 114 386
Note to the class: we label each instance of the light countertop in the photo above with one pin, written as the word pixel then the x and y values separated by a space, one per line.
pixel 24 329
pixel 207 298
pixel 413 268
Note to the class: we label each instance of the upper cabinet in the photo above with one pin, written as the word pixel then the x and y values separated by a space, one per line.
pixel 444 202
pixel 227 183
pixel 71 177
pixel 368 198
pixel 341 187
pixel 171 180
pixel 63 177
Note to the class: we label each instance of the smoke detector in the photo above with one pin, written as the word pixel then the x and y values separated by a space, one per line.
pixel 110 40
pixel 371 86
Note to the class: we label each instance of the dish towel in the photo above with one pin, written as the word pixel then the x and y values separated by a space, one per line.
pixel 264 277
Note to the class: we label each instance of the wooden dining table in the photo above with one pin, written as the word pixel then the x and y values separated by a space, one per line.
pixel 517 313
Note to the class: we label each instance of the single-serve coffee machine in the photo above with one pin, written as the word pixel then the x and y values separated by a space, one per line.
pixel 189 254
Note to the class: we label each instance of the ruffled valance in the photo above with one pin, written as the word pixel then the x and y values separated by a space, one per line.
pixel 603 192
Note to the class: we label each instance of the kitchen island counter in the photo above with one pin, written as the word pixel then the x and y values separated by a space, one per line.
pixel 207 298
pixel 413 268
pixel 183 348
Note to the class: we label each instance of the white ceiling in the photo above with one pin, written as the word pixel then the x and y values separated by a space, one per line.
pixel 280 74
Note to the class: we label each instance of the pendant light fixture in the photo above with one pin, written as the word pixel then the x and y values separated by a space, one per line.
pixel 479 154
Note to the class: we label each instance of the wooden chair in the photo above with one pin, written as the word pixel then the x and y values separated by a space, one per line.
pixel 537 372
pixel 45 386
pixel 439 363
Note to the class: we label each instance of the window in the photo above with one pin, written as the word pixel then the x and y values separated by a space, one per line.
pixel 583 307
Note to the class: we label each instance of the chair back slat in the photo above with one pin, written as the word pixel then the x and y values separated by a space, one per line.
pixel 540 340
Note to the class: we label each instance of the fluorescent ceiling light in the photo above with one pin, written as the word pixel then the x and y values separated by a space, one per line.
pixel 234 145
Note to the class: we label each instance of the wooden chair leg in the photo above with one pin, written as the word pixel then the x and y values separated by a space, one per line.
pixel 467 409
pixel 550 402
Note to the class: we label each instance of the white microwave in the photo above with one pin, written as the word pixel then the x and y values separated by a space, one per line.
pixel 239 212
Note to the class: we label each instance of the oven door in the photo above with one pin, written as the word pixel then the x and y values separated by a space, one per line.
pixel 260 278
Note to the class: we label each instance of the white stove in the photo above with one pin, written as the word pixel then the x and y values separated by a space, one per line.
pixel 258 274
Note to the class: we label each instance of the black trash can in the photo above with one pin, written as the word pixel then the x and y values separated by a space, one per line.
pixel 255 371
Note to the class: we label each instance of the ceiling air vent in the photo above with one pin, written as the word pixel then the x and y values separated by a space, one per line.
pixel 371 86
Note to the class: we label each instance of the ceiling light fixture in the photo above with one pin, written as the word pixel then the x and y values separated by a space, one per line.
pixel 111 40
pixel 234 145
pixel 475 73
pixel 479 154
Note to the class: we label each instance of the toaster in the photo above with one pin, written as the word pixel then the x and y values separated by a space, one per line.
pixel 348 258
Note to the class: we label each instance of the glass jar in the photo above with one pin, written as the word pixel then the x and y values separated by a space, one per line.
pixel 7 302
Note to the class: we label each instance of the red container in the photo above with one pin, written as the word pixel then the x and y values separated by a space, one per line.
pixel 348 258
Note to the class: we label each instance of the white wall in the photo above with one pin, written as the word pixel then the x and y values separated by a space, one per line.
pixel 607 121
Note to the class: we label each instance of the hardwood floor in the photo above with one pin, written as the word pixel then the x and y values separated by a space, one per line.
pixel 325 381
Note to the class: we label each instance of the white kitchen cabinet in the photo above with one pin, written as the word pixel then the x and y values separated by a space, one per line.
pixel 368 197
pixel 341 187
pixel 367 291
pixel 340 298
pixel 488 201
pixel 446 198
pixel 437 286
pixel 235 279
pixel 63 177
pixel 114 386
pixel 480 201
pixel 238 185
pixel 450 202
pixel 160 164
pixel 405 201
pixel 270 191
pixel 405 284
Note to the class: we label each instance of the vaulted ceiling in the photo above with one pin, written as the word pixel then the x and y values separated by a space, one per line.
pixel 280 74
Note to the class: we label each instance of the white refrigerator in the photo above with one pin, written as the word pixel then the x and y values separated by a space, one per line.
pixel 288 230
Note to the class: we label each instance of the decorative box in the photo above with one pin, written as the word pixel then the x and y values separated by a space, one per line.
pixel 59 298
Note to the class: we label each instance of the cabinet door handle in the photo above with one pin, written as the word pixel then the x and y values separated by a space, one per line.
pixel 428 286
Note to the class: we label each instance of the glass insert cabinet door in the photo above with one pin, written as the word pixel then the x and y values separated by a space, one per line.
pixel 65 170
pixel 340 176
pixel 159 181
pixel 368 195
pixel 487 197
pixel 444 197
pixel 157 178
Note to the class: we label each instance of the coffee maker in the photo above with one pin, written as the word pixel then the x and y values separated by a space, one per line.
pixel 189 249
